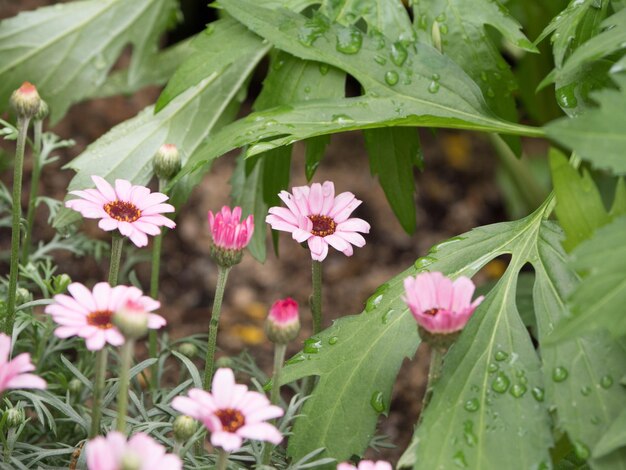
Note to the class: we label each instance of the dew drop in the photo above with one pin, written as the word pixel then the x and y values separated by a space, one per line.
pixel 312 345
pixel 566 97
pixel 433 87
pixel 422 22
pixel 586 390
pixel 295 359
pixel 421 263
pixel 491 93
pixel 606 381
pixel 443 28
pixel 518 390
pixel 377 402
pixel 349 41
pixel 492 367
pixel 333 340
pixel 342 119
pixel 324 69
pixel 387 316
pixel 501 356
pixel 472 405
pixel 379 59
pixel 538 393
pixel 500 383
pixel 559 374
pixel 398 53
pixel 441 18
pixel 376 298
pixel 391 77
pixel 581 450
pixel 459 459
pixel 468 433
pixel 436 77
pixel 378 39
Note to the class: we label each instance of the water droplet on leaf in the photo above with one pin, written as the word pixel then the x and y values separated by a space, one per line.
pixel 500 383
pixel 581 450
pixel 377 402
pixel 586 390
pixel 398 53
pixel 472 405
pixel 606 381
pixel 433 87
pixel 468 433
pixel 538 393
pixel 312 345
pixel 333 340
pixel 349 40
pixel 518 390
pixel 559 374
pixel 501 355
pixel 391 77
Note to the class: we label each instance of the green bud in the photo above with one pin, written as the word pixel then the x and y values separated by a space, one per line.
pixel 184 427
pixel 43 111
pixel 167 162
pixel 25 100
pixel 60 283
pixel 132 324
pixel 15 417
pixel 22 296
pixel 188 349
pixel 75 386
pixel 224 257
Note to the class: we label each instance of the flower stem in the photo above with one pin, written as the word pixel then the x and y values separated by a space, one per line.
pixel 117 242
pixel 34 187
pixel 222 276
pixel 122 398
pixel 153 346
pixel 316 296
pixel 279 359
pixel 22 131
pixel 434 372
pixel 98 388
pixel 222 459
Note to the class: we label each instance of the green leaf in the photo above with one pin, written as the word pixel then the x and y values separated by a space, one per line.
pixel 127 150
pixel 619 202
pixel 599 300
pixel 598 135
pixel 464 39
pixel 67 50
pixel 578 374
pixel 579 206
pixel 454 100
pixel 393 152
pixel 614 438
pixel 315 148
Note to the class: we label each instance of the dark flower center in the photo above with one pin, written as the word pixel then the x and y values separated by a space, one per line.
pixel 231 419
pixel 432 311
pixel 100 319
pixel 322 225
pixel 122 211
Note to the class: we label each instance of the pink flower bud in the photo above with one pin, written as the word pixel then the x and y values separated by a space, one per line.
pixel 26 101
pixel 283 321
pixel 230 235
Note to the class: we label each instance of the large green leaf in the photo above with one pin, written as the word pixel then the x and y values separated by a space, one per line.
pixel 580 375
pixel 579 206
pixel 614 438
pixel 599 134
pixel 599 300
pixel 127 150
pixel 461 24
pixel 68 49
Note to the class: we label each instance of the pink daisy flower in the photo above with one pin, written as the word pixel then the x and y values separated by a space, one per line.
pixel 365 465
pixel 313 214
pixel 230 412
pixel 440 305
pixel 13 373
pixel 133 210
pixel 89 314
pixel 114 452
pixel 228 231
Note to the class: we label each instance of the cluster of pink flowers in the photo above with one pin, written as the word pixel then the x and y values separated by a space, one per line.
pixel 89 314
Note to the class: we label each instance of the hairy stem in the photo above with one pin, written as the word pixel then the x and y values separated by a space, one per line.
pixel 222 459
pixel 98 388
pixel 316 296
pixel 122 398
pixel 34 189
pixel 279 359
pixel 117 242
pixel 222 276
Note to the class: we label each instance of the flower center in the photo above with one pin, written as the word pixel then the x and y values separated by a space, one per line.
pixel 122 211
pixel 100 319
pixel 322 225
pixel 231 419
pixel 432 311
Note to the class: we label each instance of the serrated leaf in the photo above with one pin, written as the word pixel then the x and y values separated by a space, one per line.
pixel 464 39
pixel 599 134
pixel 576 372
pixel 579 206
pixel 393 153
pixel 67 49
pixel 127 150
pixel 614 438
pixel 599 300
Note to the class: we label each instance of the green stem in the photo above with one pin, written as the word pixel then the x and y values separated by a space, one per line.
pixel 316 296
pixel 222 276
pixel 153 346
pixel 98 388
pixel 22 131
pixel 222 459
pixel 34 189
pixel 434 372
pixel 117 242
pixel 279 359
pixel 519 172
pixel 122 397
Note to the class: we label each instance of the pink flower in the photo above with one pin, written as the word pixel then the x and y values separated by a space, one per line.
pixel 13 372
pixel 133 210
pixel 365 465
pixel 142 452
pixel 231 412
pixel 89 314
pixel 227 230
pixel 316 216
pixel 440 305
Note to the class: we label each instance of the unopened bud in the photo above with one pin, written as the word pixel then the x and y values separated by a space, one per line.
pixel 25 100
pixel 131 461
pixel 43 111
pixel 75 386
pixel 188 349
pixel 60 283
pixel 22 296
pixel 131 320
pixel 184 428
pixel 283 321
pixel 167 162
pixel 15 417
